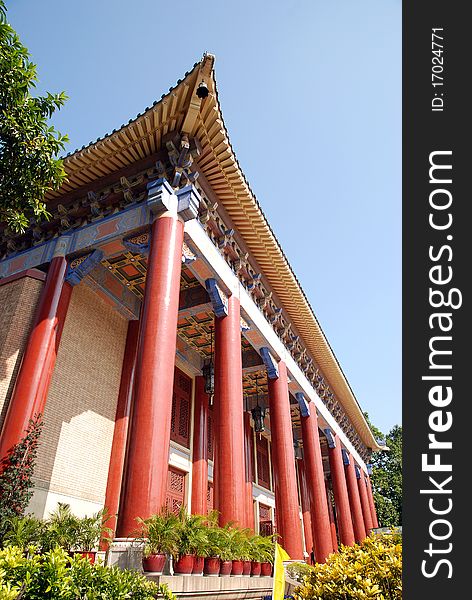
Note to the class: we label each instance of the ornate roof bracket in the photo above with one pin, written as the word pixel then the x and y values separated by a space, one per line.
pixel 303 404
pixel 82 266
pixel 270 363
pixel 330 438
pixel 219 300
pixel 345 455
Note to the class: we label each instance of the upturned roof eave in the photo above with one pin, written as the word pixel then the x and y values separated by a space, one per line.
pixel 297 305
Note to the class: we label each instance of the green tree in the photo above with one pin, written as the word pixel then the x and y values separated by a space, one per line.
pixel 29 146
pixel 16 472
pixel 387 476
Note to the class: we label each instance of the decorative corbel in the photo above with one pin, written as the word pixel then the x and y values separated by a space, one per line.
pixel 303 404
pixel 330 438
pixel 139 244
pixel 82 266
pixel 346 459
pixel 270 363
pixel 219 300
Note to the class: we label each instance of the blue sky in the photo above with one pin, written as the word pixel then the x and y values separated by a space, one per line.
pixel 311 95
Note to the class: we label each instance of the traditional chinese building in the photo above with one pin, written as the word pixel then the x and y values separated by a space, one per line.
pixel 156 324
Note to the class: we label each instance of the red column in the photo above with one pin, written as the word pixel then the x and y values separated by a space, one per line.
pixel 316 486
pixel 248 449
pixel 32 383
pixel 283 457
pixel 341 499
pixel 200 449
pixel 148 456
pixel 361 483
pixel 370 496
pixel 120 434
pixel 354 501
pixel 229 433
pixel 332 520
pixel 306 509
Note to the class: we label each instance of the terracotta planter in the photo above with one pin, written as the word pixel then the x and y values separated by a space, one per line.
pixel 225 567
pixel 255 568
pixel 184 565
pixel 266 569
pixel 198 565
pixel 154 563
pixel 237 568
pixel 246 567
pixel 90 556
pixel 211 567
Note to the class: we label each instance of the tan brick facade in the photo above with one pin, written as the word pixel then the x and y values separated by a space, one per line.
pixel 79 418
pixel 18 301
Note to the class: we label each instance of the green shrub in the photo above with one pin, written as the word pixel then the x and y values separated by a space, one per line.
pixel 56 575
pixel 371 570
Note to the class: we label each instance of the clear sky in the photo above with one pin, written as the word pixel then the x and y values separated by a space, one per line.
pixel 311 96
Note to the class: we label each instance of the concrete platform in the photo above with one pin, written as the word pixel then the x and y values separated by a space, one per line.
pixel 229 588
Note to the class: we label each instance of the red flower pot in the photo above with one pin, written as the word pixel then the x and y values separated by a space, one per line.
pixel 90 556
pixel 211 567
pixel 255 568
pixel 198 565
pixel 225 567
pixel 266 569
pixel 237 567
pixel 184 565
pixel 246 567
pixel 154 563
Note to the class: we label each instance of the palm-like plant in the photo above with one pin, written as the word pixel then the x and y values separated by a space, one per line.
pixel 61 529
pixel 192 534
pixel 24 532
pixel 159 533
pixel 91 531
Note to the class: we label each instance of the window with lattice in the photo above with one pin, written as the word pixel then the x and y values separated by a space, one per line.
pixel 210 497
pixel 263 465
pixel 181 402
pixel 175 496
pixel 265 520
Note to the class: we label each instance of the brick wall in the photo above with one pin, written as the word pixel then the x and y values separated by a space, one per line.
pixel 18 301
pixel 76 441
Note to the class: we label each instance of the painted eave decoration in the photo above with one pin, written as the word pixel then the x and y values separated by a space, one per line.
pixel 181 110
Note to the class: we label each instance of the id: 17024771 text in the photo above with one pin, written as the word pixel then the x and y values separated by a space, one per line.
pixel 437 69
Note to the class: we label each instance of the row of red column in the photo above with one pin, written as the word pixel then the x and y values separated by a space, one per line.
pixel 140 449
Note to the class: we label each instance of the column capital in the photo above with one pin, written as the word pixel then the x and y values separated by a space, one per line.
pixel 188 202
pixel 161 197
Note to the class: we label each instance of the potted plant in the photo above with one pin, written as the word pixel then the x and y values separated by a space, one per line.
pixel 246 551
pixel 256 554
pixel 236 538
pixel 226 552
pixel 192 539
pixel 267 549
pixel 90 531
pixel 211 567
pixel 60 529
pixel 159 534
